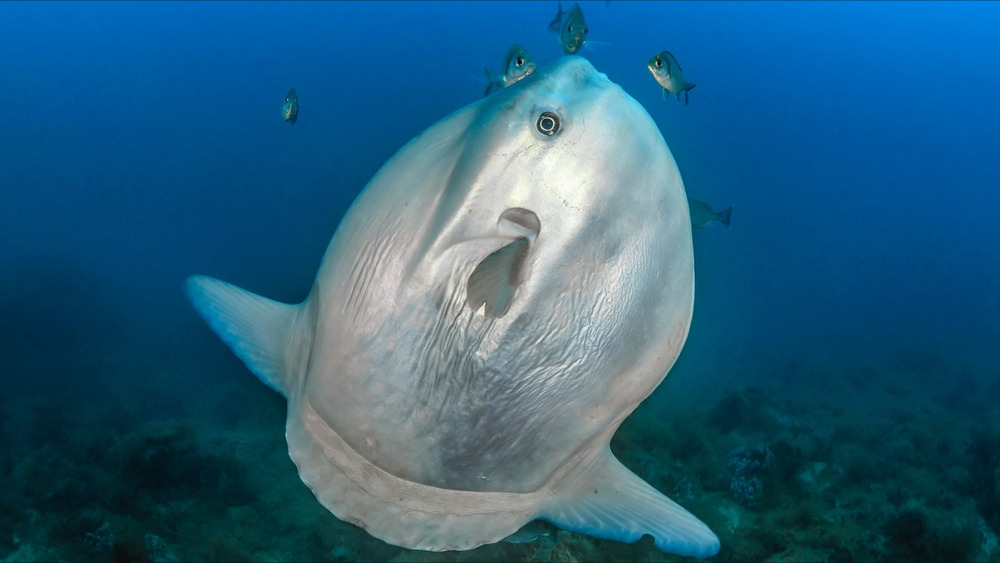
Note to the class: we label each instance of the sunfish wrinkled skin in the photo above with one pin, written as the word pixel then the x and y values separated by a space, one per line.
pixel 668 74
pixel 502 294
pixel 702 214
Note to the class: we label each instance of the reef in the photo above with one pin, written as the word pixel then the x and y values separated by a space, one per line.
pixel 856 471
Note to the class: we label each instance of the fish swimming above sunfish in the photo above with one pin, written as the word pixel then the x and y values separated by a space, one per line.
pixel 702 214
pixel 290 110
pixel 507 288
pixel 516 65
pixel 667 73
pixel 571 28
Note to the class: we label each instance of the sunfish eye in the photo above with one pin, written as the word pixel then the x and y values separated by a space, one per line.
pixel 519 61
pixel 659 63
pixel 547 124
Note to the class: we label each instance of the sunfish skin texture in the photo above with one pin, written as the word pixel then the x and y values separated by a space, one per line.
pixel 501 295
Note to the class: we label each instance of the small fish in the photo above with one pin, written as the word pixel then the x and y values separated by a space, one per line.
pixel 516 65
pixel 571 28
pixel 702 214
pixel 290 111
pixel 667 73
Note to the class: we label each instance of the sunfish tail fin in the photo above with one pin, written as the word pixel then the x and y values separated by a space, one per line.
pixel 606 500
pixel 271 338
pixel 725 214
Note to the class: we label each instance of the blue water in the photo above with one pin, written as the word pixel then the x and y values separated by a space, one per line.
pixel 851 309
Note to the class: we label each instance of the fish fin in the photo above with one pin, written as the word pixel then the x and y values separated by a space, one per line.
pixel 687 102
pixel 554 25
pixel 494 79
pixel 666 94
pixel 606 500
pixel 725 214
pixel 594 47
pixel 273 339
pixel 491 285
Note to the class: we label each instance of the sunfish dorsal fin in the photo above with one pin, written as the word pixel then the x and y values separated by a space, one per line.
pixel 271 338
pixel 492 284
pixel 606 500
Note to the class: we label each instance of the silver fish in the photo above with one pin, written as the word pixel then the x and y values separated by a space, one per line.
pixel 501 295
pixel 667 72
pixel 702 214
pixel 290 111
pixel 516 65
pixel 571 28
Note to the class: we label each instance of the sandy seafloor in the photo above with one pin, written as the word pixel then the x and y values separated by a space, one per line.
pixel 837 399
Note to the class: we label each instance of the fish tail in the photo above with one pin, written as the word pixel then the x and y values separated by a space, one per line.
pixel 725 214
pixel 495 81
pixel 554 25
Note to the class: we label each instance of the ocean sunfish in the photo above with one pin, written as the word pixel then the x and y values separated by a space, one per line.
pixel 702 214
pixel 502 294
pixel 290 109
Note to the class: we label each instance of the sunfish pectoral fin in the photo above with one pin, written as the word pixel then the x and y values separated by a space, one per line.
pixel 492 284
pixel 606 500
pixel 273 339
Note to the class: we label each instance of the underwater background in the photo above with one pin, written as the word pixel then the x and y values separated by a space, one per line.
pixel 837 399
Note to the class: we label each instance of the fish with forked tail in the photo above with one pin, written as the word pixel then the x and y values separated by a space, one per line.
pixel 667 73
pixel 702 214
pixel 571 28
pixel 290 111
pixel 516 65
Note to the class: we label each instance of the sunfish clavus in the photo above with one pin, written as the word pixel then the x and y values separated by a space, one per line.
pixel 502 294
